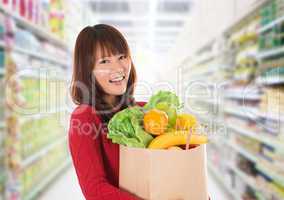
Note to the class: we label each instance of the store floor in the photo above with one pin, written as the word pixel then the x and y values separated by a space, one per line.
pixel 67 188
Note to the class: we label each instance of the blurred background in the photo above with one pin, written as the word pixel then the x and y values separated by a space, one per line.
pixel 224 58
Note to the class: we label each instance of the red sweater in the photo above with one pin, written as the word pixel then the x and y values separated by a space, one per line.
pixel 95 158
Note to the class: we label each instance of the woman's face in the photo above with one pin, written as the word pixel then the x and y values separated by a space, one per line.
pixel 112 72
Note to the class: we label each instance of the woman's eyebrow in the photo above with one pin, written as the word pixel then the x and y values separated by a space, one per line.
pixel 102 58
pixel 116 55
pixel 120 54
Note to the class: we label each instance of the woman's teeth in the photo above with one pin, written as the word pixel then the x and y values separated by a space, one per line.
pixel 117 79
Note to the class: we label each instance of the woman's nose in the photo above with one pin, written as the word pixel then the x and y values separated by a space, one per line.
pixel 118 66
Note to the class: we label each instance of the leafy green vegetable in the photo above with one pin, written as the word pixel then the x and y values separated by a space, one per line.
pixel 167 102
pixel 125 128
pixel 164 96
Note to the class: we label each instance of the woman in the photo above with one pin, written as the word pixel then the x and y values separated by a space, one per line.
pixel 102 84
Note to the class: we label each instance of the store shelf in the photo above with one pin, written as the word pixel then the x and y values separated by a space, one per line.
pixel 34 28
pixel 236 94
pixel 219 178
pixel 2 153
pixel 209 120
pixel 239 20
pixel 270 80
pixel 2 44
pixel 248 180
pixel 212 102
pixel 43 152
pixel 258 160
pixel 42 114
pixel 242 96
pixel 38 74
pixel 275 142
pixel 270 53
pixel 2 71
pixel 2 177
pixel 273 175
pixel 41 56
pixel 272 116
pixel 248 113
pixel 252 113
pixel 41 186
pixel 243 152
pixel 271 25
pixel 204 59
pixel 2 124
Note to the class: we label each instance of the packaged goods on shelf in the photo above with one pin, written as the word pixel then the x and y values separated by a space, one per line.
pixel 26 39
pixel 35 68
pixel 40 13
pixel 246 35
pixel 273 36
pixel 36 134
pixel 275 72
pixel 252 110
pixel 271 189
pixel 268 13
pixel 247 143
pixel 2 99
pixel 246 166
pixel 272 100
pixel 56 17
pixel 35 173
pixel 271 63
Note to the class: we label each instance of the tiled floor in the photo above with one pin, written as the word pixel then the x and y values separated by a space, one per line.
pixel 66 187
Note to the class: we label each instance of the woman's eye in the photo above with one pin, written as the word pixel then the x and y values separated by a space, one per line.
pixel 103 61
pixel 122 57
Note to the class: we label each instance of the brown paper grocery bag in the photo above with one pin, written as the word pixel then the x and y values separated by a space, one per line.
pixel 164 174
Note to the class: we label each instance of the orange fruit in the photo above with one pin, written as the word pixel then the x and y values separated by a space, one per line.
pixel 155 121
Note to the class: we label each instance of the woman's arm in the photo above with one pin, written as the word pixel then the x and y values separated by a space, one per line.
pixel 85 150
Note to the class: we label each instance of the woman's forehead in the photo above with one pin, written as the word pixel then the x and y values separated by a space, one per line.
pixel 105 51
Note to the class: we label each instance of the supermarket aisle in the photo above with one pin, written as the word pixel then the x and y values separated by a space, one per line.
pixel 216 191
pixel 67 188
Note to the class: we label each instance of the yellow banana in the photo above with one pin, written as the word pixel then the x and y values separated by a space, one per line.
pixel 175 148
pixel 176 138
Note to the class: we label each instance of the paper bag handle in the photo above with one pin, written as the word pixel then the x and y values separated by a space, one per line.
pixel 188 138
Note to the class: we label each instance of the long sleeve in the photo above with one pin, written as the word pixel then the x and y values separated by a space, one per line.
pixel 85 147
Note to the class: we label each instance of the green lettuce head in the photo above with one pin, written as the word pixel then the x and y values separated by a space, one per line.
pixel 126 128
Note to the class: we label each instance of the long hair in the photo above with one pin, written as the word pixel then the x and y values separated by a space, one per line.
pixel 84 87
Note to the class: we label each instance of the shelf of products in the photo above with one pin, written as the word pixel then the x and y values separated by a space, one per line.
pixel 34 60
pixel 56 172
pixel 2 105
pixel 36 19
pixel 246 123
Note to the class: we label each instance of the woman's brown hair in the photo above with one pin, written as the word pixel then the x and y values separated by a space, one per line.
pixel 84 88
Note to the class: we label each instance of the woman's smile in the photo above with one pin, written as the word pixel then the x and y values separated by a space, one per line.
pixel 118 78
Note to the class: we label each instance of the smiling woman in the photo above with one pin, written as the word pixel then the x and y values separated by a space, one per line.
pixel 104 74
pixel 112 72
pixel 102 84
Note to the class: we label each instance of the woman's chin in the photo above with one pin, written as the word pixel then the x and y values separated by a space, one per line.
pixel 118 88
pixel 117 91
